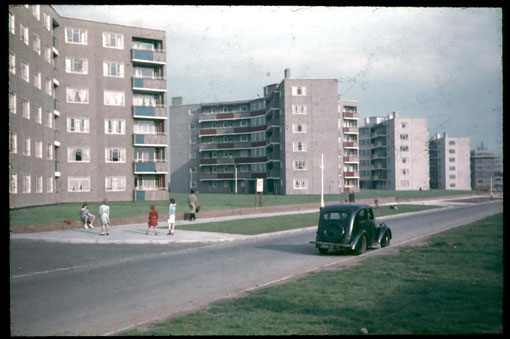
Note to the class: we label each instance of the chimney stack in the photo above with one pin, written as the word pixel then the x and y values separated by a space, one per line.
pixel 287 73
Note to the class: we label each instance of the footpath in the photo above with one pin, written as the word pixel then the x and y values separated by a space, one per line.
pixel 135 232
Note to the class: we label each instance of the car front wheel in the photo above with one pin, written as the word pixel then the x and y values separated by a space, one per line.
pixel 385 241
pixel 323 250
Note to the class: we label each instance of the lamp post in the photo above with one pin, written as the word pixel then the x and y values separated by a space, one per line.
pixel 322 180
pixel 190 178
pixel 235 178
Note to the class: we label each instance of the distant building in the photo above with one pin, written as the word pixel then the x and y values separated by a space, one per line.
pixel 221 146
pixel 449 163
pixel 484 166
pixel 87 104
pixel 394 153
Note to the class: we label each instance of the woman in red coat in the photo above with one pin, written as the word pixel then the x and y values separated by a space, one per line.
pixel 153 220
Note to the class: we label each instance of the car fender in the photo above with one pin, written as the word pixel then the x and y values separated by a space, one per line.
pixel 357 238
pixel 383 228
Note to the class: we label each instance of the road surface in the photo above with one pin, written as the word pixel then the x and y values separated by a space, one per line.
pixel 73 289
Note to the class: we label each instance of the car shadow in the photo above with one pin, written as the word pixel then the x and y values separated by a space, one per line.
pixel 303 249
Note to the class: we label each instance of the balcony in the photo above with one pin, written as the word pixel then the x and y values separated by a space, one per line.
pixel 154 140
pixel 351 174
pixel 351 159
pixel 225 116
pixel 148 56
pixel 151 167
pixel 149 112
pixel 231 176
pixel 351 130
pixel 149 84
pixel 160 193
pixel 231 130
pixel 351 144
pixel 230 160
pixel 230 145
pixel 351 115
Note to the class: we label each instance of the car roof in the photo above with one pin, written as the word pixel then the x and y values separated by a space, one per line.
pixel 352 208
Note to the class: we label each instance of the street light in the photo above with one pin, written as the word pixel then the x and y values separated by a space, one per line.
pixel 322 180
pixel 235 178
pixel 190 178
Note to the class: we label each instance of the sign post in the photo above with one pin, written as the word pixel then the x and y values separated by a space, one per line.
pixel 259 190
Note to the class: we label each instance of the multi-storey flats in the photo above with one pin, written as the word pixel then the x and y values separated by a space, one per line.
pixel 226 146
pixel 394 153
pixel 103 102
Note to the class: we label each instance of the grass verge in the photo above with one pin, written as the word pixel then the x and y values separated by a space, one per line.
pixel 450 284
pixel 208 202
pixel 283 223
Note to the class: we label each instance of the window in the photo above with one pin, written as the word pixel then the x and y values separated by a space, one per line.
pixel 299 165
pixel 13 142
pixel 38 184
pixel 12 63
pixel 49 86
pixel 404 183
pixel 49 119
pixel 403 124
pixel 25 108
pixel 78 125
pixel 27 180
pixel 115 154
pixel 76 36
pixel 451 143
pixel 451 159
pixel 113 98
pixel 47 54
pixel 115 184
pixel 12 103
pixel 113 69
pixel 113 40
pixel 258 152
pixel 113 126
pixel 36 11
pixel 298 109
pixel 38 149
pixel 298 128
pixel 404 137
pixel 78 154
pixel 144 127
pixel 78 184
pixel 23 31
pixel 452 168
pixel 37 79
pixel 77 96
pixel 298 91
pixel 13 183
pixel 38 114
pixel 12 23
pixel 49 151
pixel 36 43
pixel 405 171
pixel 451 151
pixel 405 160
pixel 145 100
pixel 49 184
pixel 452 176
pixel 25 71
pixel 76 65
pixel 300 184
pixel 47 21
pixel 404 148
pixel 452 185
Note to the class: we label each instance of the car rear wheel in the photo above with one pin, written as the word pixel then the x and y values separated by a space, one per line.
pixel 385 241
pixel 323 250
pixel 361 246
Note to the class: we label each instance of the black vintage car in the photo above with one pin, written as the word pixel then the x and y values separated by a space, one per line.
pixel 350 226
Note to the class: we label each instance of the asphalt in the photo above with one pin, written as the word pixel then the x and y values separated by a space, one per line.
pixel 136 233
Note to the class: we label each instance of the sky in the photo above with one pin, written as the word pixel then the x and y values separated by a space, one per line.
pixel 441 63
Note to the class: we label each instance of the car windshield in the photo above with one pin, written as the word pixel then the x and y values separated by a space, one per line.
pixel 336 216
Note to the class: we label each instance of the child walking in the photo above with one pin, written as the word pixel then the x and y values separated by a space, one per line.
pixel 171 216
pixel 153 220
pixel 104 212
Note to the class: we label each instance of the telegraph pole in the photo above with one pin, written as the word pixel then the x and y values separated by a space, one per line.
pixel 322 180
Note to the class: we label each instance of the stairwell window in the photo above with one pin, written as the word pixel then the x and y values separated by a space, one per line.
pixel 298 91
pixel 298 128
pixel 300 184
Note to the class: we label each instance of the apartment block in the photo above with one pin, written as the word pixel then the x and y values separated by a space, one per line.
pixel 394 153
pixel 449 163
pixel 226 146
pixel 485 165
pixel 88 116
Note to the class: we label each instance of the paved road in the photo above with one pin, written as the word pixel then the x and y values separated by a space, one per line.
pixel 99 289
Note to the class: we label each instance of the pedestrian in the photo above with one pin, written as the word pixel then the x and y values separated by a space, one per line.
pixel 104 212
pixel 153 220
pixel 351 197
pixel 193 205
pixel 172 208
pixel 86 217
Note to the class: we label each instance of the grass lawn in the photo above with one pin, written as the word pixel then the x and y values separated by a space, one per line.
pixel 452 283
pixel 282 223
pixel 208 201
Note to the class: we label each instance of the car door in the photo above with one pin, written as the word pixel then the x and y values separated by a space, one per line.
pixel 371 227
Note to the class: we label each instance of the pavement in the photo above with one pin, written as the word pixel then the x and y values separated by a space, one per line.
pixel 136 233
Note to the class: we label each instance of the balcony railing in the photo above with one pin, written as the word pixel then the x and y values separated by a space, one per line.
pixel 351 130
pixel 351 144
pixel 351 115
pixel 153 167
pixel 351 159
pixel 148 56
pixel 149 112
pixel 149 84
pixel 351 174
pixel 159 140
pixel 159 193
